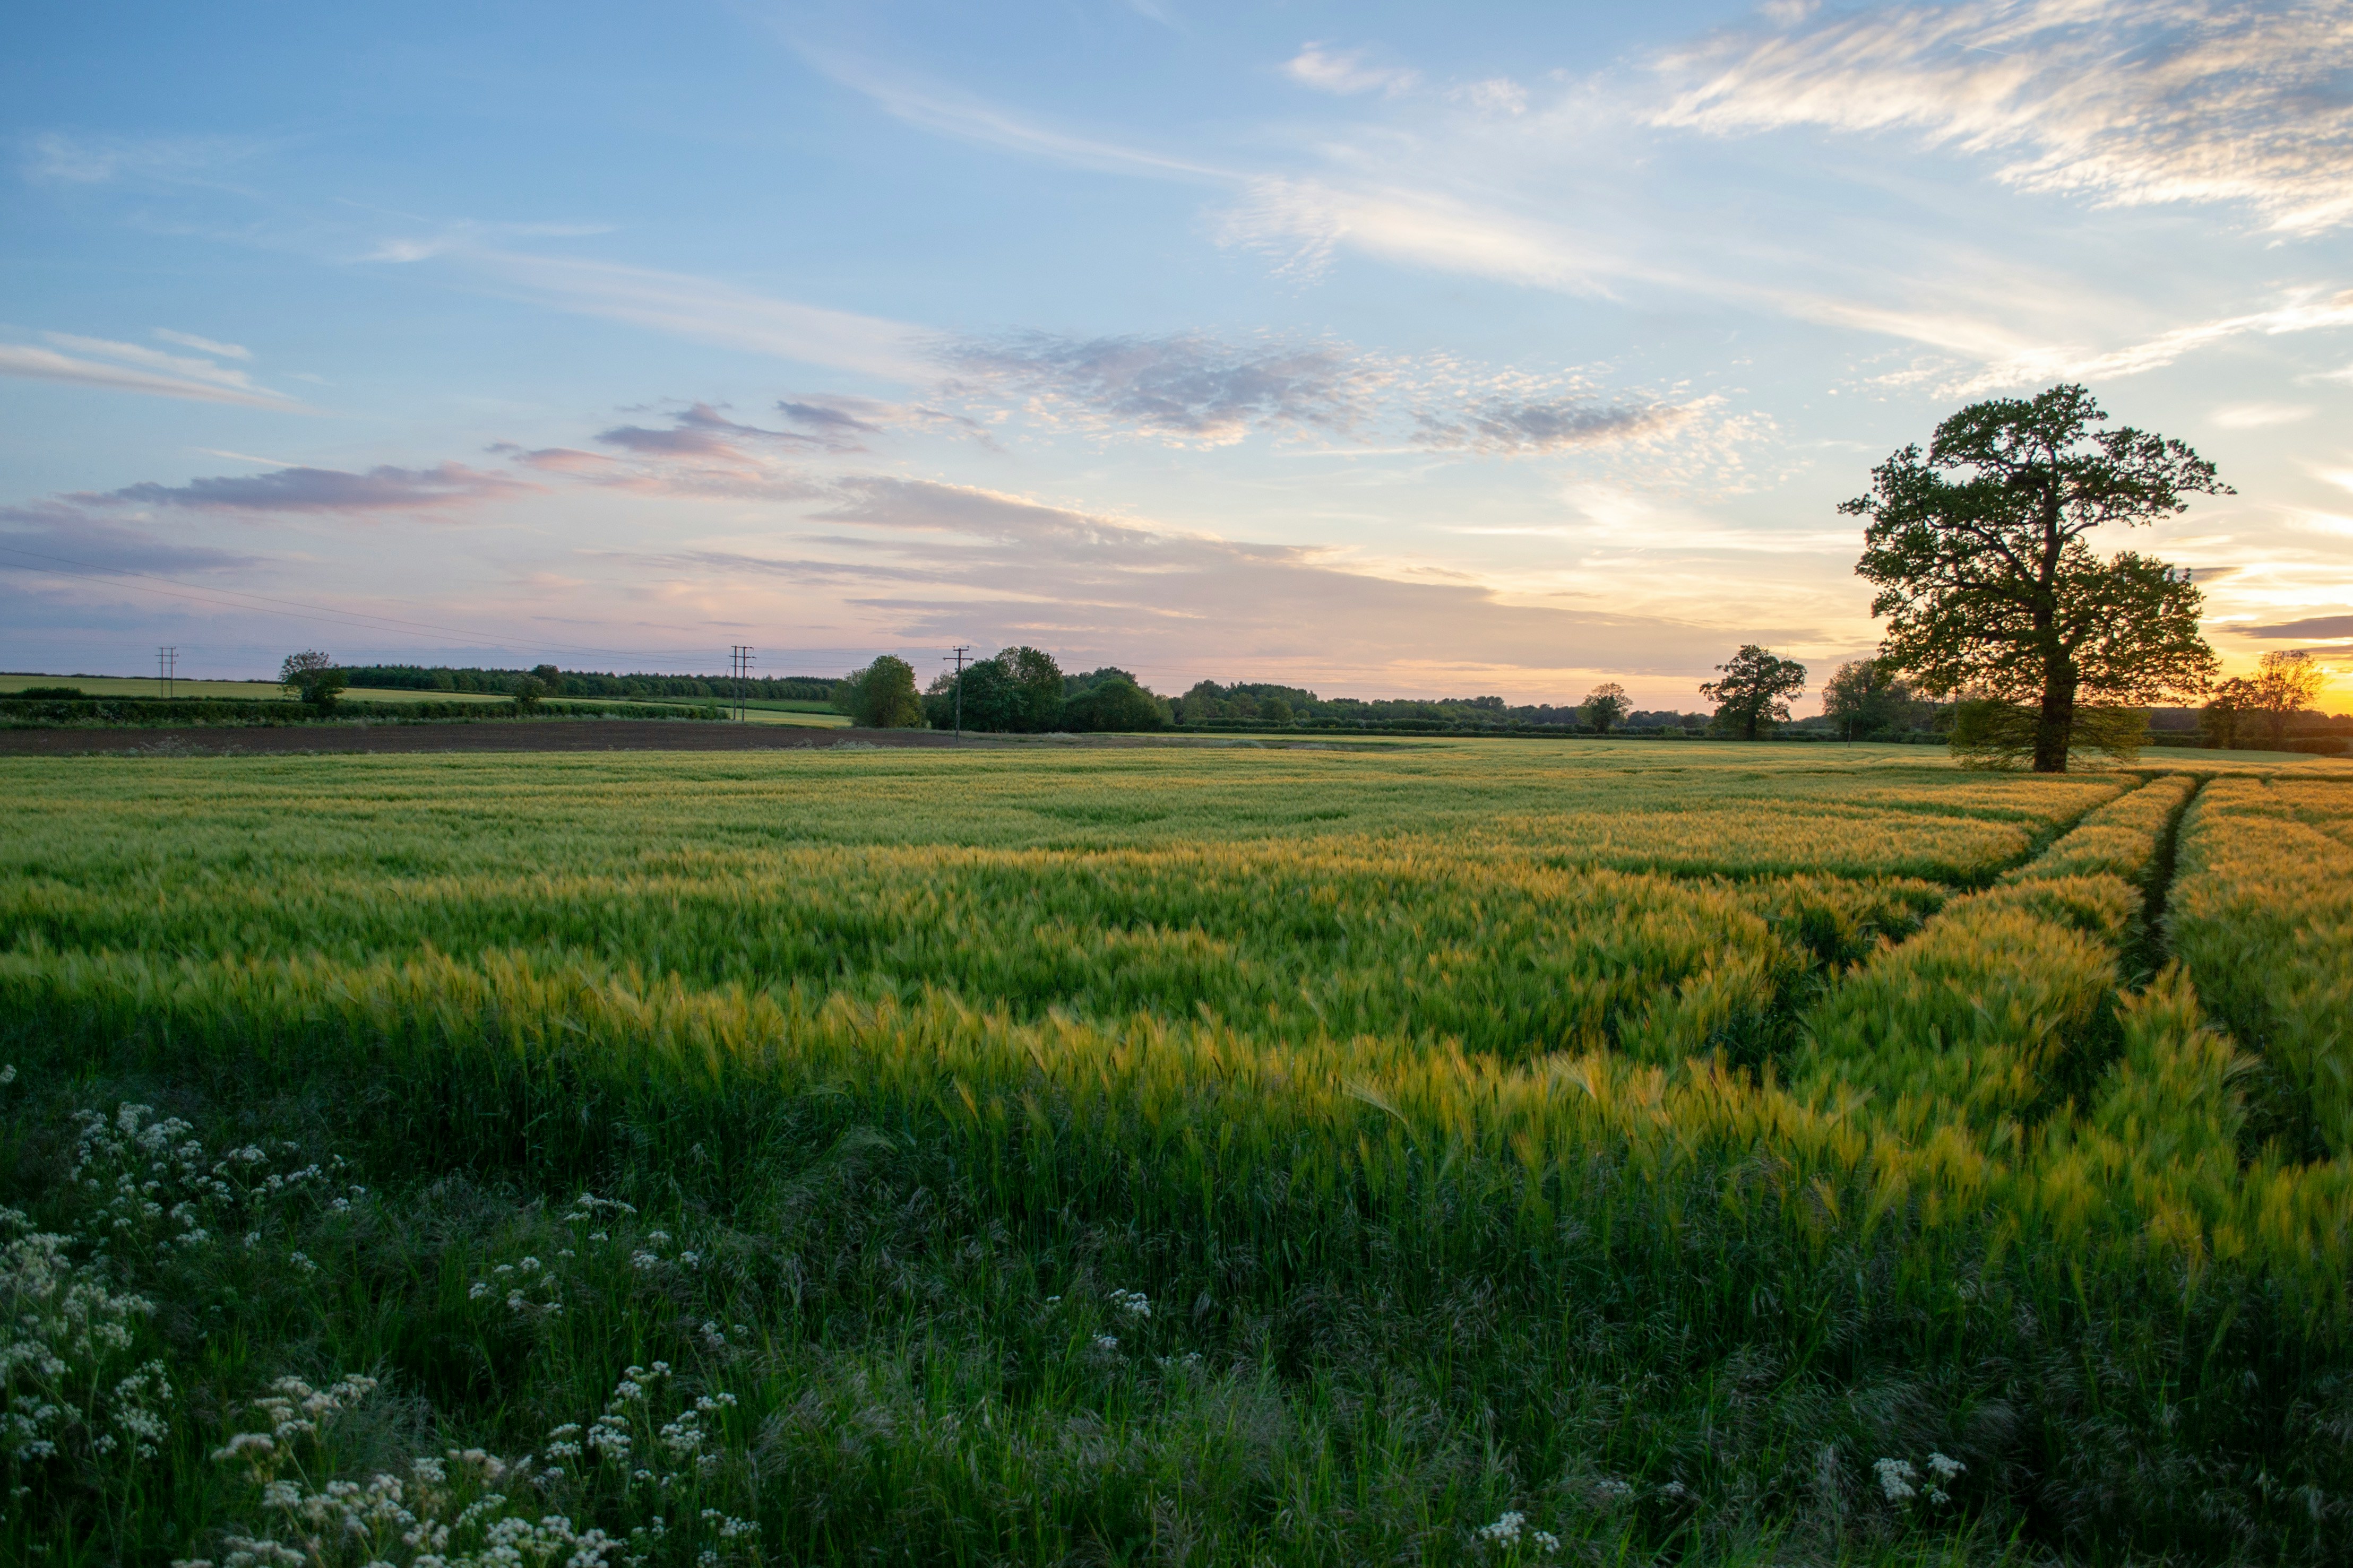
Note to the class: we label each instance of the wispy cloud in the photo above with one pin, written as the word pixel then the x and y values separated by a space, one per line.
pixel 2311 626
pixel 1520 426
pixel 1189 388
pixel 708 311
pixel 54 537
pixel 1327 71
pixel 700 431
pixel 205 345
pixel 845 423
pixel 2259 416
pixel 379 490
pixel 140 369
pixel 1304 221
pixel 1008 568
pixel 701 454
pixel 2128 101
pixel 177 365
pixel 2309 310
pixel 961 115
pixel 55 157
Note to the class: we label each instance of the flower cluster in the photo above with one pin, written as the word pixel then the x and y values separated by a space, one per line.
pixel 1897 1478
pixel 1134 1303
pixel 63 1330
pixel 1508 1530
pixel 156 1185
pixel 516 1281
pixel 637 1444
pixel 445 1512
pixel 533 1288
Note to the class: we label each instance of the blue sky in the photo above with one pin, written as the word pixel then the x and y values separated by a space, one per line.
pixel 1383 348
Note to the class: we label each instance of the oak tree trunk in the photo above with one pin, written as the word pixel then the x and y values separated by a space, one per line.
pixel 2054 726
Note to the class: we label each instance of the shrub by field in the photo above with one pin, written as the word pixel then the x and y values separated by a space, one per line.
pixel 1483 1153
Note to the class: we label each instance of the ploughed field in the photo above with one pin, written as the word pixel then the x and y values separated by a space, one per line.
pixel 1486 1152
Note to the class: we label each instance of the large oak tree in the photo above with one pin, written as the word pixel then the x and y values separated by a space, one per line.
pixel 1755 691
pixel 1989 586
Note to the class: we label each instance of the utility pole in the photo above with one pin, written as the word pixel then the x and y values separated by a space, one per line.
pixel 739 667
pixel 167 670
pixel 962 649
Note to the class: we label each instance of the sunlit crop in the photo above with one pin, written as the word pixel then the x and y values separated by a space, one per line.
pixel 1478 1153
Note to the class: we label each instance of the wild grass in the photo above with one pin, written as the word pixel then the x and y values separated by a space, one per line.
pixel 1241 1158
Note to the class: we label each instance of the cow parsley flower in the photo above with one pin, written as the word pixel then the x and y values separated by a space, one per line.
pixel 1505 1530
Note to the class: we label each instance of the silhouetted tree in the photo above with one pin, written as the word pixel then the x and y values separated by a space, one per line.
pixel 2226 710
pixel 1864 697
pixel 1989 586
pixel 2285 684
pixel 1604 706
pixel 1755 690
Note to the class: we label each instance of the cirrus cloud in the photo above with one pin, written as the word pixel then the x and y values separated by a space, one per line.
pixel 2130 102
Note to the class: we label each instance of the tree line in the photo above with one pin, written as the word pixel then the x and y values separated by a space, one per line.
pixel 555 682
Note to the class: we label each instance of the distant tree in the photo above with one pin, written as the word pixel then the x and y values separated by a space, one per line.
pixel 2285 684
pixel 1989 586
pixel 882 696
pixel 1604 706
pixel 1865 697
pixel 1114 704
pixel 2226 710
pixel 549 677
pixel 1039 680
pixel 1755 690
pixel 528 691
pixel 313 677
pixel 1275 710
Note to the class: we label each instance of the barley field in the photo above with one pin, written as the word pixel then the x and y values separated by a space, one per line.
pixel 1471 1153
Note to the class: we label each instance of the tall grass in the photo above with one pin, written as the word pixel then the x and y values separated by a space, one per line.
pixel 2262 914
pixel 1464 1170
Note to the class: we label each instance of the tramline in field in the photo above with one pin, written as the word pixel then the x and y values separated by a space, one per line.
pixel 1310 1156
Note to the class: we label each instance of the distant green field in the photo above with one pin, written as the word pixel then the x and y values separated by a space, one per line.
pixel 1696 1152
pixel 144 686
pixel 816 715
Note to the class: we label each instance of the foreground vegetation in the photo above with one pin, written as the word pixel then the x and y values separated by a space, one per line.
pixel 1474 1153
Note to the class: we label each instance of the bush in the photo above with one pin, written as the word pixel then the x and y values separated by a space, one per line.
pixel 882 696
pixel 312 678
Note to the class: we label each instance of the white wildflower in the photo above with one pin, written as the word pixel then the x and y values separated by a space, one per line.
pixel 1896 1478
pixel 1505 1530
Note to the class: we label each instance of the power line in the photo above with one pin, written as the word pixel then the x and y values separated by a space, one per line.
pixel 739 666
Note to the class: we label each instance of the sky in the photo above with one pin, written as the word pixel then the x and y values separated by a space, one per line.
pixel 1389 350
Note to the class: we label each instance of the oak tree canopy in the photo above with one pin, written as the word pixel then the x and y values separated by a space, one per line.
pixel 1991 592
